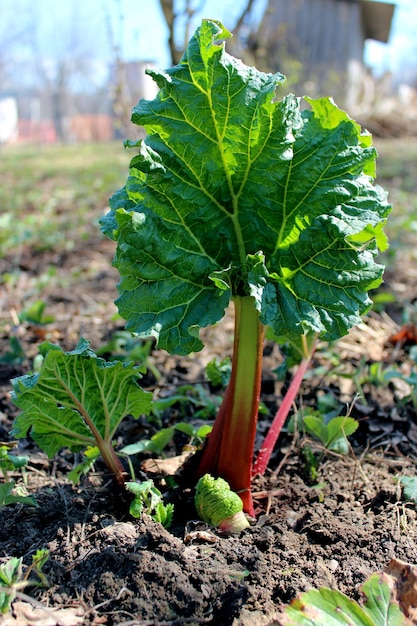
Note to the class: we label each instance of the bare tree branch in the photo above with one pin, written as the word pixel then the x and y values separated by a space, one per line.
pixel 174 17
pixel 167 7
pixel 245 12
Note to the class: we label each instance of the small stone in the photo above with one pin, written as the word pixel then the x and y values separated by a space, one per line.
pixel 292 519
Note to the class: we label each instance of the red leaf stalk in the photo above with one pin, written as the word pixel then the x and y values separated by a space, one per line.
pixel 229 450
pixel 270 440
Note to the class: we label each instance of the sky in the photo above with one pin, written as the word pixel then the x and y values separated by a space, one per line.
pixel 401 50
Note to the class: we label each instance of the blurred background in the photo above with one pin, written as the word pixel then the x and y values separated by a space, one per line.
pixel 71 72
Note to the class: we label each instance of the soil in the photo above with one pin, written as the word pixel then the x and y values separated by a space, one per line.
pixel 105 567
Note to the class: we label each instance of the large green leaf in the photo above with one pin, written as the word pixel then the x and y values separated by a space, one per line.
pixel 74 396
pixel 233 193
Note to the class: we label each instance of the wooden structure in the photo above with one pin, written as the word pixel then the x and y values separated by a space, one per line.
pixel 325 38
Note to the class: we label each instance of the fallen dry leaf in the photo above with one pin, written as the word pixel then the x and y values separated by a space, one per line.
pixel 404 585
pixel 165 467
pixel 24 613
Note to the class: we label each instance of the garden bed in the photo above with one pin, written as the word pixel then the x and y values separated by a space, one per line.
pixel 333 530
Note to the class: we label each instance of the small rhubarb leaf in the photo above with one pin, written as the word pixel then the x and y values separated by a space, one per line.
pixel 330 607
pixel 236 192
pixel 148 499
pixel 76 399
pixel 380 603
pixel 319 607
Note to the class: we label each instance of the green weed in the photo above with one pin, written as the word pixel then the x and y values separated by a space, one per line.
pixel 14 576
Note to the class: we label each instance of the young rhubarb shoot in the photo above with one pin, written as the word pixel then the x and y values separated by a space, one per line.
pixel 219 506
pixel 78 400
pixel 237 194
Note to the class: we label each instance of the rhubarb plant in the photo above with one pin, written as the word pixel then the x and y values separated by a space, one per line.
pixel 77 401
pixel 236 194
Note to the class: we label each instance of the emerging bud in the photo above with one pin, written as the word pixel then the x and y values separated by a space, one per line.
pixel 218 505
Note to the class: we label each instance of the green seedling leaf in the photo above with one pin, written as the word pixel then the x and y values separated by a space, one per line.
pixel 11 571
pixel 218 371
pixel 409 485
pixel 10 462
pixel 338 430
pixel 16 354
pixel 161 439
pixel 135 448
pixel 382 299
pixel 38 561
pixel 324 607
pixel 8 497
pixel 380 604
pixel 164 514
pixel 34 314
pixel 333 434
pixel 203 431
pixel 40 557
pixel 91 454
pixel 148 499
pixel 194 433
pixel 330 607
pixel 77 400
pixel 185 428
pixel 10 574
pixel 12 577
pixel 155 444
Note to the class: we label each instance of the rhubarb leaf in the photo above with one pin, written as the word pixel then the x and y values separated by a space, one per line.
pixel 234 193
pixel 77 399
pixel 381 604
pixel 330 607
pixel 317 607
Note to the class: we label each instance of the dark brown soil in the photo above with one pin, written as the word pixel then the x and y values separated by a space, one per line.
pixel 107 568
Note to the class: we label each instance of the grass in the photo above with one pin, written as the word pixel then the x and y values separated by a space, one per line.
pixel 52 196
